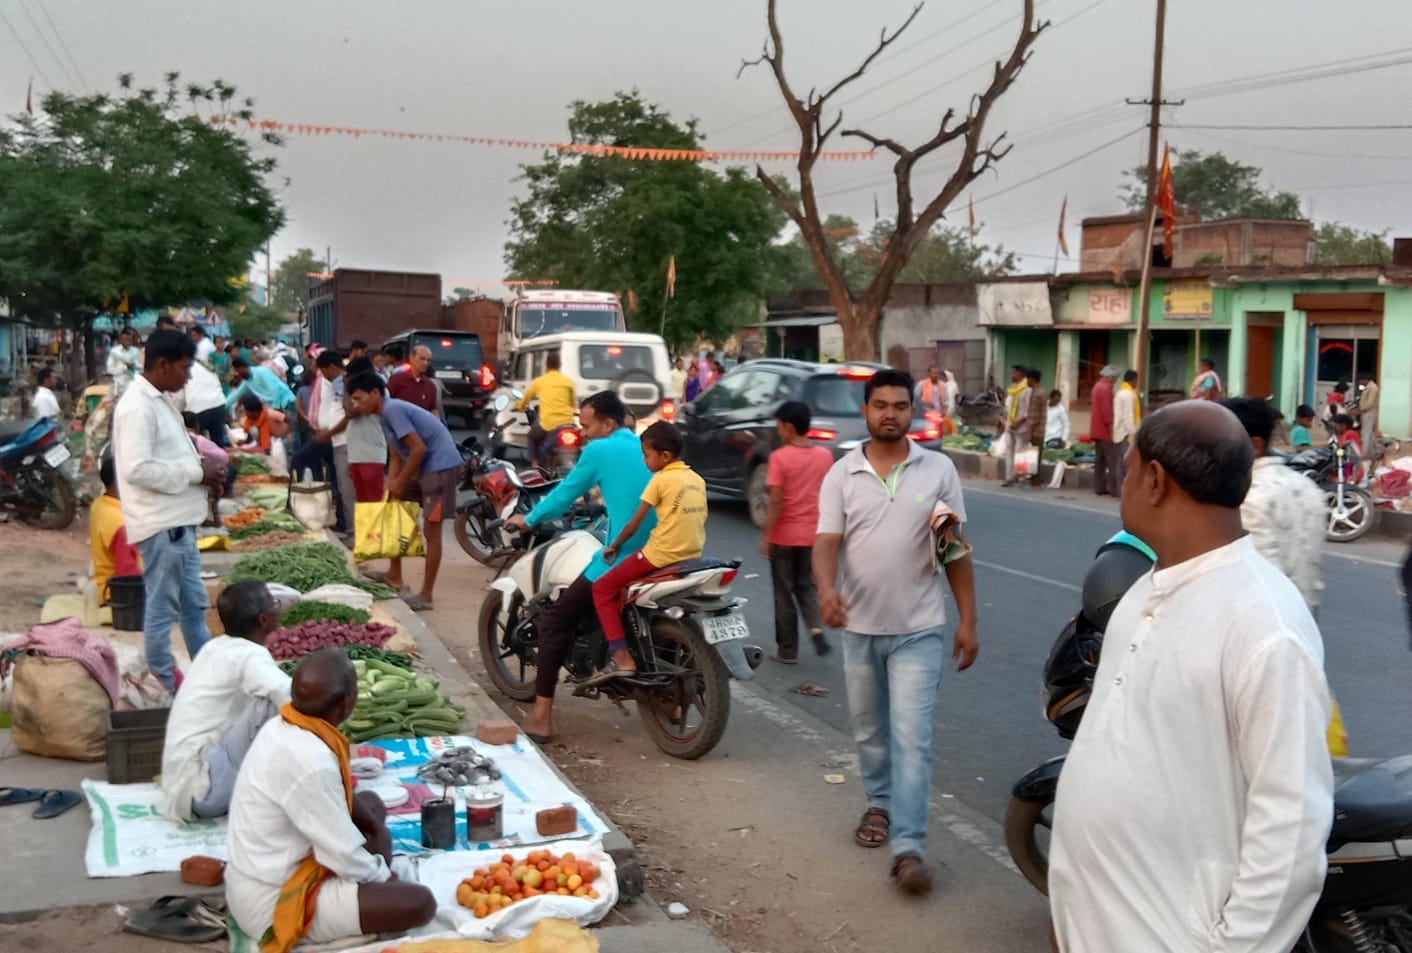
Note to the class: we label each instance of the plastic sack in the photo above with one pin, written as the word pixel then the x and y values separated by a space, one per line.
pixel 341 594
pixel 58 709
pixel 279 458
pixel 1000 446
pixel 387 529
pixel 312 504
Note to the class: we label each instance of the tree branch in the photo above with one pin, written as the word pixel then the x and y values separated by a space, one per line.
pixel 884 41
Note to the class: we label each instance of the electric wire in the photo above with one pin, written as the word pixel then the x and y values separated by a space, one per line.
pixel 28 55
pixel 62 44
pixel 68 77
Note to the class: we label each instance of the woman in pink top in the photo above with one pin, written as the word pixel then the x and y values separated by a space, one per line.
pixel 797 469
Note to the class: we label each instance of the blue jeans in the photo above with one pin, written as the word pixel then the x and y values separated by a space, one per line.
pixel 172 588
pixel 892 683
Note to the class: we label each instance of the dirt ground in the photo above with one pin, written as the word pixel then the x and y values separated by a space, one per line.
pixel 38 563
pixel 99 928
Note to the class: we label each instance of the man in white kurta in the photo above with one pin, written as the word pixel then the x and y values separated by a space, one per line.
pixel 1193 809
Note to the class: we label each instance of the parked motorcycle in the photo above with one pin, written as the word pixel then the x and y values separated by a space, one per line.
pixel 31 485
pixel 490 486
pixel 1366 905
pixel 1351 508
pixel 684 629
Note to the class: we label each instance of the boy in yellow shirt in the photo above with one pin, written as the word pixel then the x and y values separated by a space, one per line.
pixel 678 494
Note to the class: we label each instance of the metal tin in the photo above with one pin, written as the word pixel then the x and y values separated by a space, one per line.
pixel 485 814
pixel 439 823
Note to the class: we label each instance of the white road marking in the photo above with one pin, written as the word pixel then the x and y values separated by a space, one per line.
pixel 1027 575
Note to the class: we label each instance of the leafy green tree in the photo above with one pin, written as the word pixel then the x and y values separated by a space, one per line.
pixel 150 194
pixel 1336 244
pixel 248 319
pixel 947 253
pixel 613 224
pixel 291 290
pixel 458 294
pixel 1215 186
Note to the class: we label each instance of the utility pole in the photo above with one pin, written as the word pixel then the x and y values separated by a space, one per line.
pixel 269 287
pixel 1154 136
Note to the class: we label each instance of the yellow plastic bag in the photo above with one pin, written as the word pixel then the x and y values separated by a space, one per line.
pixel 387 529
pixel 1338 734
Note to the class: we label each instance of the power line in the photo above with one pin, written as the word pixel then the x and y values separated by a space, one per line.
pixel 1293 128
pixel 62 45
pixel 47 45
pixel 30 56
pixel 1289 150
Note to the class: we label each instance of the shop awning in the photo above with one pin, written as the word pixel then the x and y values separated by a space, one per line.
pixel 800 321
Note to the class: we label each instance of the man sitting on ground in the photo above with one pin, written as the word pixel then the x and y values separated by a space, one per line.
pixel 233 688
pixel 309 858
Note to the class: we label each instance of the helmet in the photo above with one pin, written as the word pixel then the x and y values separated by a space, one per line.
pixel 1120 563
pixel 1068 674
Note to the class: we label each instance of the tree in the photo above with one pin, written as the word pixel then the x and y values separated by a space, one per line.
pixel 1215 187
pixel 458 294
pixel 1336 244
pixel 614 224
pixel 858 307
pixel 259 322
pixel 136 194
pixel 291 290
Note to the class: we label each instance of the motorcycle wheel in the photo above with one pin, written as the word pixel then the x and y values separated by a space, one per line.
pixel 58 506
pixel 1356 518
pixel 506 665
pixel 1023 822
pixel 687 718
pixel 471 533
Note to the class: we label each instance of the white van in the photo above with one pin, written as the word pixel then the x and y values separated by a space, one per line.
pixel 634 366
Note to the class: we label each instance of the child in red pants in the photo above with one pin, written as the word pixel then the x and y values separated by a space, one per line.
pixel 678 494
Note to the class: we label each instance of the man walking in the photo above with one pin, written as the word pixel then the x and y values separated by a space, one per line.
pixel 796 471
pixel 1195 803
pixel 931 392
pixel 413 384
pixel 124 359
pixel 1017 419
pixel 612 461
pixel 45 402
pixel 1037 418
pixel 1127 417
pixel 1106 461
pixel 162 485
pixel 330 414
pixel 1366 413
pixel 875 567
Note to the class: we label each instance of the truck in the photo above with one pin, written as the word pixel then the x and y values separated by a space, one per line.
pixel 531 314
pixel 480 316
pixel 373 306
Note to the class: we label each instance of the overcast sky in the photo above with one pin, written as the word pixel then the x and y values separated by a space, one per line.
pixel 510 68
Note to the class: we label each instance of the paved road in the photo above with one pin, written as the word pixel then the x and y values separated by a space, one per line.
pixel 1032 549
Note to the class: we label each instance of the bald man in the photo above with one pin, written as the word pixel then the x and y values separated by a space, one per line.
pixel 296 827
pixel 1196 801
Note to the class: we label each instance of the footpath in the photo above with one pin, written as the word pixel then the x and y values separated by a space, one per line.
pixel 48 903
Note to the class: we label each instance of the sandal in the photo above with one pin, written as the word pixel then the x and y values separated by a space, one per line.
pixel 54 803
pixel 19 795
pixel 911 873
pixel 875 821
pixel 416 604
pixel 607 673
pixel 179 919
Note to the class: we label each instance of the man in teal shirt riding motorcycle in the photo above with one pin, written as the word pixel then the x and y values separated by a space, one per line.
pixel 611 461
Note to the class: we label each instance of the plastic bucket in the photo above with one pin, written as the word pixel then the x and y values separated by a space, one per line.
pixel 125 596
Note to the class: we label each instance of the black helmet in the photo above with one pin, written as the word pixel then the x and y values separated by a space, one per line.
pixel 1068 674
pixel 1118 565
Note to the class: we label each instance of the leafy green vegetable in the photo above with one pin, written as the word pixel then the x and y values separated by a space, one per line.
pixel 276 520
pixel 304 566
pixel 251 464
pixel 332 611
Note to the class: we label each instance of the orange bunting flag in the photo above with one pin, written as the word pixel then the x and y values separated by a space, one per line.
pixel 1167 201
pixel 1063 211
pixel 672 277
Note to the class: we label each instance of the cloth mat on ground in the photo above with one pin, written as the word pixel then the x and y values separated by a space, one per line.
pixel 131 837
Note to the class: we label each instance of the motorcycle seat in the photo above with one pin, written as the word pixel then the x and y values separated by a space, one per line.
pixel 10 429
pixel 690 566
pixel 1372 801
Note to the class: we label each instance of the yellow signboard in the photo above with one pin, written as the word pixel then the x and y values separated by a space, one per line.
pixel 1186 299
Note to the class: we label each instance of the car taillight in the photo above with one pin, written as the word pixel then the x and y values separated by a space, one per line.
pixel 821 433
pixel 858 373
pixel 728 576
pixel 926 433
pixel 667 410
pixel 568 438
pixel 487 377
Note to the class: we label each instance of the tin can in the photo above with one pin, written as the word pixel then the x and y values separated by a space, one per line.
pixel 438 823
pixel 485 814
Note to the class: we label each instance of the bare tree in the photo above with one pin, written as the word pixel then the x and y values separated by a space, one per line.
pixel 858 310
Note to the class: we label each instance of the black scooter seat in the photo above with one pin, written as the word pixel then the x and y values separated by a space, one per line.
pixel 692 565
pixel 1372 801
pixel 11 429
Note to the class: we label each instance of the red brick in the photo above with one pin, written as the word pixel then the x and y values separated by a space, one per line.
pixel 497 732
pixel 557 820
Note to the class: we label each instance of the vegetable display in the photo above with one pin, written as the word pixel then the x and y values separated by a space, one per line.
pixel 296 640
pixel 541 872
pixel 393 702
pixel 968 441
pixel 251 464
pixel 360 653
pixel 304 566
pixel 243 518
pixel 309 611
pixel 271 540
pixel 267 522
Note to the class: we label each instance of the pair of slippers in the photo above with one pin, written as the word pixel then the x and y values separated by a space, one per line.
pixel 180 920
pixel 51 803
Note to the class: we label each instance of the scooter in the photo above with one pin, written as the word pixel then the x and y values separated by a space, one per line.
pixel 684 629
pixel 1351 508
pixel 31 484
pixel 1366 905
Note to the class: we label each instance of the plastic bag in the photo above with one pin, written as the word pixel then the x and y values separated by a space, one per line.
pixel 312 504
pixel 1000 446
pixel 387 529
pixel 341 594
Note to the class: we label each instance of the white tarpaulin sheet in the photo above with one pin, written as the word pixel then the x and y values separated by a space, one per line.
pixel 131 837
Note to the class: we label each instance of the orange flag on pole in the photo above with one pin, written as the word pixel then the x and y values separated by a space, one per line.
pixel 672 277
pixel 1063 211
pixel 1167 201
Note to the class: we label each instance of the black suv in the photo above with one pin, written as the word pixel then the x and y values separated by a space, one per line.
pixel 458 362
pixel 730 430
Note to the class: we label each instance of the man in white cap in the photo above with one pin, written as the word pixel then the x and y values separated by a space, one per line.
pixel 1107 466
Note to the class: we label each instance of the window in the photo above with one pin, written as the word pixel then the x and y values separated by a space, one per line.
pixel 523 365
pixel 723 396
pixel 602 362
pixel 761 388
pixel 834 396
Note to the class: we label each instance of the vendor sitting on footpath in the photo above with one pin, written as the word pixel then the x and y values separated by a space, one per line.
pixel 308 858
pixel 234 687
pixel 112 554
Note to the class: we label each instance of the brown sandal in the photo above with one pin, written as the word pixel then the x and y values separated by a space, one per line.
pixel 911 873
pixel 875 821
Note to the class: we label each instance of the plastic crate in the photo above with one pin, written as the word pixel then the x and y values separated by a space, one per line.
pixel 135 740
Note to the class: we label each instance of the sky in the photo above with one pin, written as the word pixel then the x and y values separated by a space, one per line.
pixel 509 69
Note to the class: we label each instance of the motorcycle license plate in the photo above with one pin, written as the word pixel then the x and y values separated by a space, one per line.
pixel 56 456
pixel 723 628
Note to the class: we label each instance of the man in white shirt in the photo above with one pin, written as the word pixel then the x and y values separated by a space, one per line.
pixel 124 358
pixel 296 823
pixel 162 482
pixel 1127 417
pixel 204 397
pixel 205 347
pixel 231 691
pixel 1056 422
pixel 45 402
pixel 1193 809
pixel 331 413
pixel 1284 512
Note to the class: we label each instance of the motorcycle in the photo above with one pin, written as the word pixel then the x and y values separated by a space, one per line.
pixel 490 486
pixel 1351 508
pixel 31 484
pixel 564 444
pixel 1366 905
pixel 684 629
